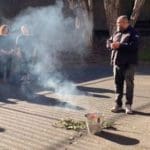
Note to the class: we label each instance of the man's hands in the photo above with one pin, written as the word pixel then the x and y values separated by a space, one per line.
pixel 115 45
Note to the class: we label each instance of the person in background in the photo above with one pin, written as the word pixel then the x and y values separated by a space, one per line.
pixel 25 46
pixel 124 46
pixel 6 49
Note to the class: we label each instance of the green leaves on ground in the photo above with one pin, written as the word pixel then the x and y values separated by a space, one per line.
pixel 71 124
pixel 108 124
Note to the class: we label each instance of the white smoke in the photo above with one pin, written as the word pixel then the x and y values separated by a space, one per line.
pixel 54 35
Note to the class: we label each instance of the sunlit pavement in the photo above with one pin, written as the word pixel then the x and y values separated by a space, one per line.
pixel 26 123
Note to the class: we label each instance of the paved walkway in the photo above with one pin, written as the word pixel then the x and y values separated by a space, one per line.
pixel 27 123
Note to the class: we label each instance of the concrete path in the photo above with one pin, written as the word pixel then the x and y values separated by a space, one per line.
pixel 26 123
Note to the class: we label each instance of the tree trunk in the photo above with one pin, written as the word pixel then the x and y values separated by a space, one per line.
pixel 138 5
pixel 112 10
pixel 83 18
pixel 87 20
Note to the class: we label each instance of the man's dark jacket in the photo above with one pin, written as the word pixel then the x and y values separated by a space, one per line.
pixel 127 53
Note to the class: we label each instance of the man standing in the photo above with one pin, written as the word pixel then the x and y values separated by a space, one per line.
pixel 124 46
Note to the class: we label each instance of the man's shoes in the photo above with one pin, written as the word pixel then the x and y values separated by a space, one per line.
pixel 128 109
pixel 116 109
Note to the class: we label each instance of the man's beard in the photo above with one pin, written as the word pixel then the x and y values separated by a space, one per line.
pixel 120 29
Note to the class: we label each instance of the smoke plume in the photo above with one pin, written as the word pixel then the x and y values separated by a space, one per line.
pixel 53 36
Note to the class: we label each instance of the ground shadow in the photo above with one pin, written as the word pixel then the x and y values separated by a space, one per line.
pixel 93 72
pixel 2 130
pixel 78 75
pixel 43 100
pixel 8 92
pixel 94 90
pixel 5 93
pixel 143 70
pixel 141 113
pixel 6 100
pixel 87 72
pixel 117 138
pixel 100 96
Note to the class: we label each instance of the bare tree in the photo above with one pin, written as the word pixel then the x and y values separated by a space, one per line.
pixel 83 17
pixel 138 5
pixel 86 19
pixel 112 10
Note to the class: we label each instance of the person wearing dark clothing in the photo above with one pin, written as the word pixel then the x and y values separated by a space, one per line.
pixel 6 50
pixel 25 45
pixel 24 42
pixel 124 58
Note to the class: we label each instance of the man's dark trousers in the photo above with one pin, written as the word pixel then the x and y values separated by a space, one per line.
pixel 124 73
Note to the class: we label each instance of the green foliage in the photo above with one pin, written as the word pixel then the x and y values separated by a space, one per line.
pixel 71 124
pixel 108 124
